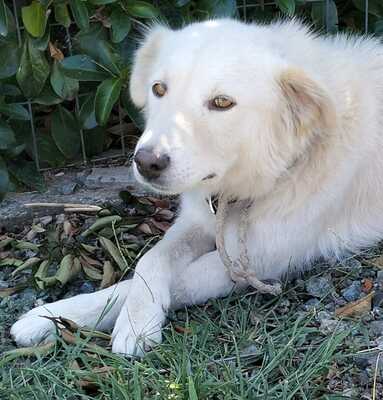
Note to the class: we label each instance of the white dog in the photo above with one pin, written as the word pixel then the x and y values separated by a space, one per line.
pixel 274 114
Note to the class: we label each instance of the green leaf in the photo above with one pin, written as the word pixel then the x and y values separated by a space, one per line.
pixel 218 8
pixel 66 132
pixel 375 7
pixel 14 111
pixel 87 115
pixel 62 14
pixel 48 151
pixel 65 87
pixel 7 137
pixel 33 70
pixel 121 25
pixel 25 172
pixel 106 96
pixel 94 44
pixel 287 6
pixel 378 28
pixel 80 13
pixel 14 152
pixel 34 18
pixel 41 43
pixel 4 178
pixel 318 16
pixel 3 19
pixel 101 2
pixel 47 97
pixel 10 59
pixel 181 3
pixel 142 9
pixel 83 68
pixel 94 141
pixel 9 90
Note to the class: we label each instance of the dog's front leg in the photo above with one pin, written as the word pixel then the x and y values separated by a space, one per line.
pixel 139 324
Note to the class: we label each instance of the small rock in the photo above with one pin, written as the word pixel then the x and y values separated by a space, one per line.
pixel 376 327
pixel 322 315
pixel 329 326
pixel 379 276
pixel 46 220
pixel 249 350
pixel 68 188
pixel 319 286
pixel 377 300
pixel 352 292
pixel 311 304
pixel 3 284
pixel 86 287
pixel 353 264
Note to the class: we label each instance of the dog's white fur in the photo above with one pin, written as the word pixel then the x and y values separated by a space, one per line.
pixel 304 141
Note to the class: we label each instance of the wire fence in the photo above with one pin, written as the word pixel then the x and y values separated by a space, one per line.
pixel 244 7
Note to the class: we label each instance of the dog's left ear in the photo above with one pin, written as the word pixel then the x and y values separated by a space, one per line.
pixel 307 107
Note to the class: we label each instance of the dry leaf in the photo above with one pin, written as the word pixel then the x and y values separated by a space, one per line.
pixel 109 276
pixel 145 228
pixel 92 272
pixel 68 228
pixel 356 308
pixel 161 225
pixel 90 261
pixel 69 268
pixel 367 285
pixel 110 247
pixel 165 214
pixel 159 203
pixel 181 329
pixel 55 52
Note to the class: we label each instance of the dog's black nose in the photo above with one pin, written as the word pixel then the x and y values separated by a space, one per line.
pixel 150 164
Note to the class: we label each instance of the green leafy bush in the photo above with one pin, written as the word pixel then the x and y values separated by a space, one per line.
pixel 65 70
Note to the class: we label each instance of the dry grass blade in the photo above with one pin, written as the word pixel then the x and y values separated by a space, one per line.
pixel 34 351
pixel 5 292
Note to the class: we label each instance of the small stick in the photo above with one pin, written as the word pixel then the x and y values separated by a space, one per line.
pixel 63 205
pixel 81 209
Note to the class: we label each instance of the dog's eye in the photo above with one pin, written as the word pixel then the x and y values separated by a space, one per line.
pixel 159 89
pixel 221 103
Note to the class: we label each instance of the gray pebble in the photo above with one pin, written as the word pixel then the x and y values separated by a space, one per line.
pixel 376 327
pixel 311 304
pixel 379 276
pixel 377 300
pixel 319 286
pixel 87 287
pixel 352 292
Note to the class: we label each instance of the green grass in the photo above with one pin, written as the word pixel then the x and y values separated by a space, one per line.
pixel 241 347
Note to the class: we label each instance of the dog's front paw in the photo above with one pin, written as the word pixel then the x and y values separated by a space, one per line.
pixel 137 331
pixel 33 329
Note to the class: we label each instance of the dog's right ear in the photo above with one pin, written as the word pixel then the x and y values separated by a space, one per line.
pixel 142 63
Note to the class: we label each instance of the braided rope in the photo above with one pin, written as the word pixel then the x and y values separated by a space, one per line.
pixel 239 269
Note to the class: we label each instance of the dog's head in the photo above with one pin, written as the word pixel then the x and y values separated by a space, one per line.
pixel 225 109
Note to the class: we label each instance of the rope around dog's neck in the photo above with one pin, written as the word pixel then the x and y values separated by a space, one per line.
pixel 239 269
